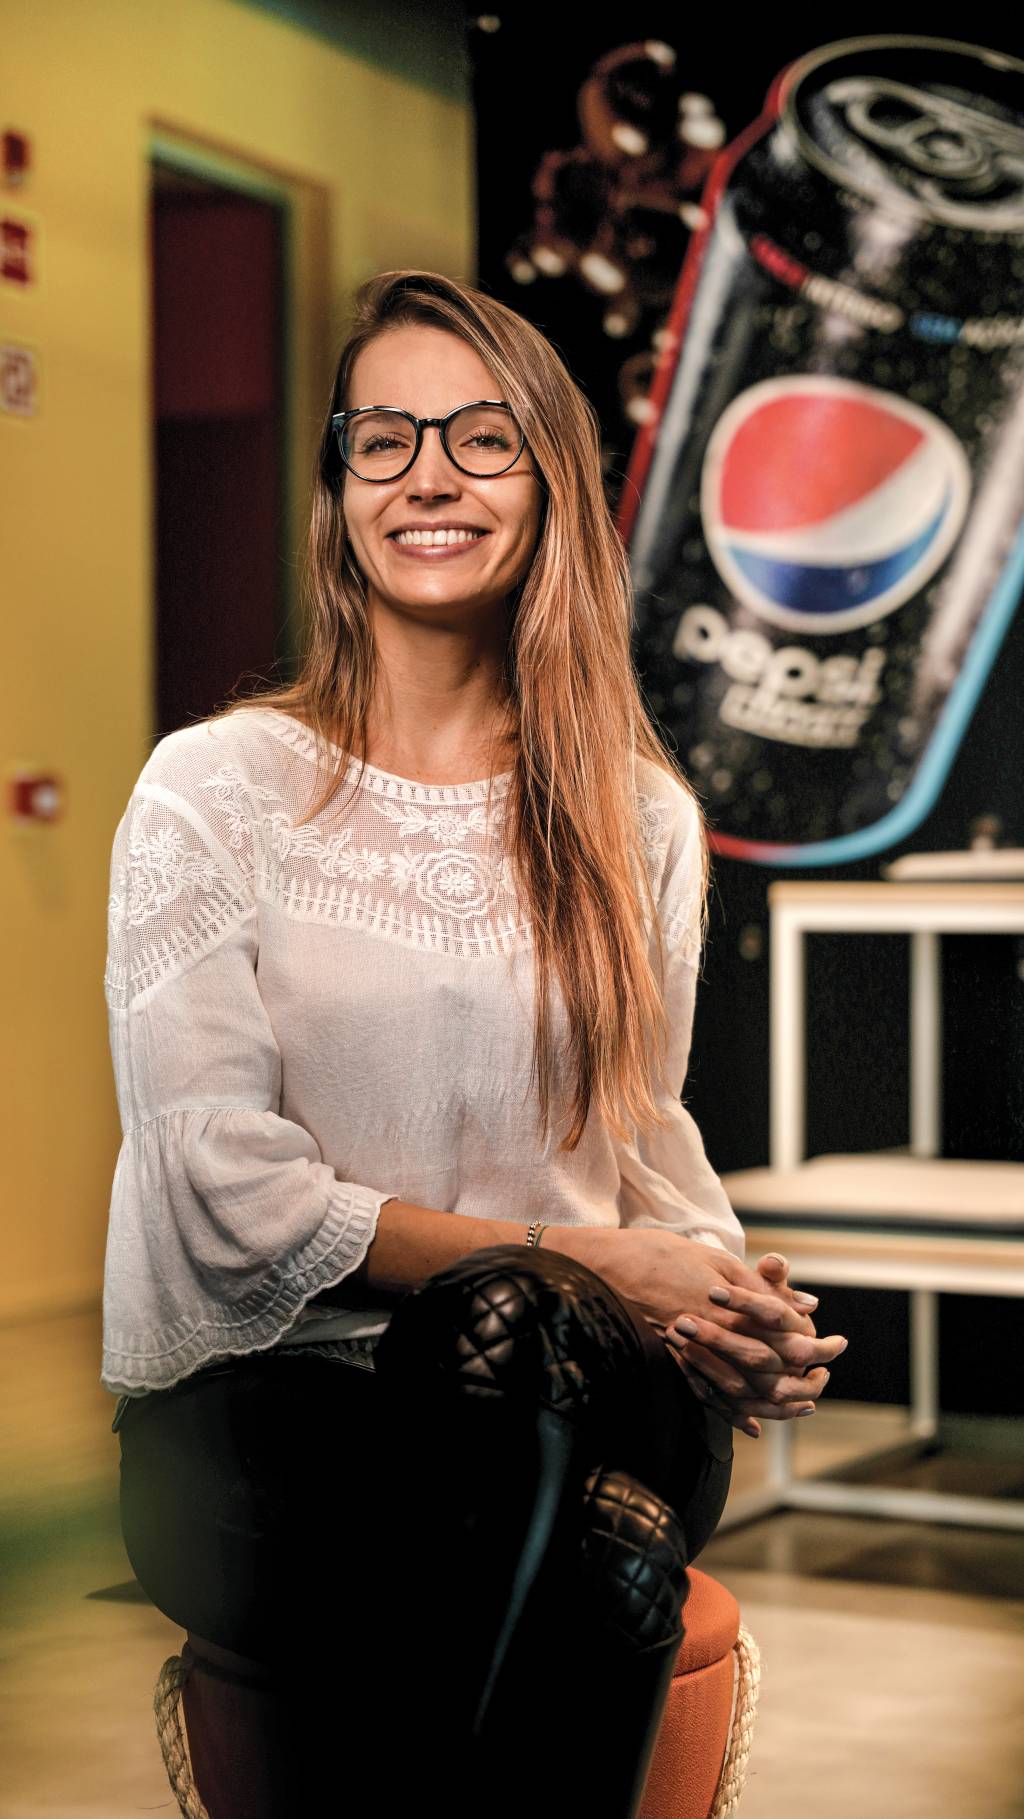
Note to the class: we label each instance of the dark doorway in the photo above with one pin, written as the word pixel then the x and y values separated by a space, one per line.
pixel 218 318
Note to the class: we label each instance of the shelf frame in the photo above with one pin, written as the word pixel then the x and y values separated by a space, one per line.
pixel 923 1267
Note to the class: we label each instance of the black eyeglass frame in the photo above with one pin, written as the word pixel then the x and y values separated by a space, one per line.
pixel 341 418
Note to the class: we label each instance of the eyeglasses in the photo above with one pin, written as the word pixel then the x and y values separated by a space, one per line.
pixel 377 442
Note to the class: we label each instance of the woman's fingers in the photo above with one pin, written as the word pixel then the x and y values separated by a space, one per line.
pixel 788 1389
pixel 797 1352
pixel 744 1410
pixel 771 1272
pixel 743 1415
pixel 768 1310
pixel 746 1353
pixel 770 1279
pixel 723 1375
pixel 775 1411
pixel 772 1390
pixel 767 1388
pixel 755 1352
pixel 773 1268
pixel 740 1275
pixel 752 1329
pixel 737 1417
pixel 783 1352
pixel 750 1407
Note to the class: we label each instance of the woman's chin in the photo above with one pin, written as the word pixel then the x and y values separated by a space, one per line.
pixel 432 596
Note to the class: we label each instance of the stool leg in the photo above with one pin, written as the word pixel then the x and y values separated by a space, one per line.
pixel 237 1742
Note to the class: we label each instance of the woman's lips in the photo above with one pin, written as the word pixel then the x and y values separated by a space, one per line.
pixel 437 552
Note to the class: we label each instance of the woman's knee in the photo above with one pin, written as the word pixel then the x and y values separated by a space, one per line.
pixel 511 1322
pixel 633 1561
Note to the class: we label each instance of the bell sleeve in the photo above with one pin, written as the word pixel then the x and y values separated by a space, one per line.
pixel 224 1217
pixel 665 1177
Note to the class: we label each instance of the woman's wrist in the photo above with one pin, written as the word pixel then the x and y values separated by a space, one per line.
pixel 413 1242
pixel 586 1244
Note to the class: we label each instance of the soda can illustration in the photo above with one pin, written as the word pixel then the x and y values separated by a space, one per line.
pixel 825 509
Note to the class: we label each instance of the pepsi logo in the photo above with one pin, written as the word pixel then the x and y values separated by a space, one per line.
pixel 826 504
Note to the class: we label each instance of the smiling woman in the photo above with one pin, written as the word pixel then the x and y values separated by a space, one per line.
pixel 453 488
pixel 441 661
pixel 313 991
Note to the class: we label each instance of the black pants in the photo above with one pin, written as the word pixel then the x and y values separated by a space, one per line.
pixel 360 1531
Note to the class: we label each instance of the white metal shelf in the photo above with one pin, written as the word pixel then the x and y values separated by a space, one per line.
pixel 988 1260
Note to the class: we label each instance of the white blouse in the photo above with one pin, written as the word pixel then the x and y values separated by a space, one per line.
pixel 306 1022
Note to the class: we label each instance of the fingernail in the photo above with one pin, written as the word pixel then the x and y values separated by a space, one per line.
pixel 689 1327
pixel 719 1295
pixel 804 1300
pixel 842 1348
pixel 699 1387
pixel 804 1411
pixel 773 1257
pixel 825 1378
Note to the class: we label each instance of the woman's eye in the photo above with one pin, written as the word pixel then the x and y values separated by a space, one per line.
pixel 489 438
pixel 378 445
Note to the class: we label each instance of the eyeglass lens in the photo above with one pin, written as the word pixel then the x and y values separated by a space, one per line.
pixel 483 439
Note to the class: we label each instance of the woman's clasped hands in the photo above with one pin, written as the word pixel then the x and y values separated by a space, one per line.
pixel 755 1352
pixel 743 1337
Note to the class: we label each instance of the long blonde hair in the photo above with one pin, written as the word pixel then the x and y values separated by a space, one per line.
pixel 572 827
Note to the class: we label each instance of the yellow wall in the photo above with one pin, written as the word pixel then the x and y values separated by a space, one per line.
pixel 380 172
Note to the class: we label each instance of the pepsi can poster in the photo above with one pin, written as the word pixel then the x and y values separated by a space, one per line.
pixel 828 497
pixel 823 499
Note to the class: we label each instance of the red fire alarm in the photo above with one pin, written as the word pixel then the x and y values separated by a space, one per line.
pixel 17 158
pixel 34 797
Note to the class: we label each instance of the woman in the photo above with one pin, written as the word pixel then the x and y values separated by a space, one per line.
pixel 320 1005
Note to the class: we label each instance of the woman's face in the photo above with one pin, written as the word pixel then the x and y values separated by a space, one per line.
pixel 428 372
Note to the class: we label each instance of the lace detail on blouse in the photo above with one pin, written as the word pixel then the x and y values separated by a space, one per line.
pixel 160 868
pixel 420 865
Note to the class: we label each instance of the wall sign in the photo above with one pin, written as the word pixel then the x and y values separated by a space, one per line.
pixel 19 380
pixel 19 252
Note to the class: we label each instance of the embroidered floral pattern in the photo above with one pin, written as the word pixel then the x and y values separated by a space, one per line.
pixel 463 884
pixel 447 825
pixel 136 967
pixel 333 854
pixel 446 885
pixel 682 929
pixel 458 882
pixel 232 795
pixel 653 828
pixel 159 868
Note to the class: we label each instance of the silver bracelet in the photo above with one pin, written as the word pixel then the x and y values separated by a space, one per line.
pixel 534 1232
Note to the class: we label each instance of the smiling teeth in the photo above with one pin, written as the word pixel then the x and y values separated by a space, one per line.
pixel 437 538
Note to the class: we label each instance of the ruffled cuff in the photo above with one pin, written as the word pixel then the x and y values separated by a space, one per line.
pixel 141 1354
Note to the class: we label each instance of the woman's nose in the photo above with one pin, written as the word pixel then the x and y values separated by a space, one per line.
pixel 431 473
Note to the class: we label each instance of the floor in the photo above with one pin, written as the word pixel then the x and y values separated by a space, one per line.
pixel 893 1653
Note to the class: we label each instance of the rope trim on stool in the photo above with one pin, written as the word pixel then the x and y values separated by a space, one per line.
pixel 173 1738
pixel 734 1768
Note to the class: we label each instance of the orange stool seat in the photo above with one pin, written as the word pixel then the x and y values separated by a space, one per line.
pixel 700 1755
pixel 697 1768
